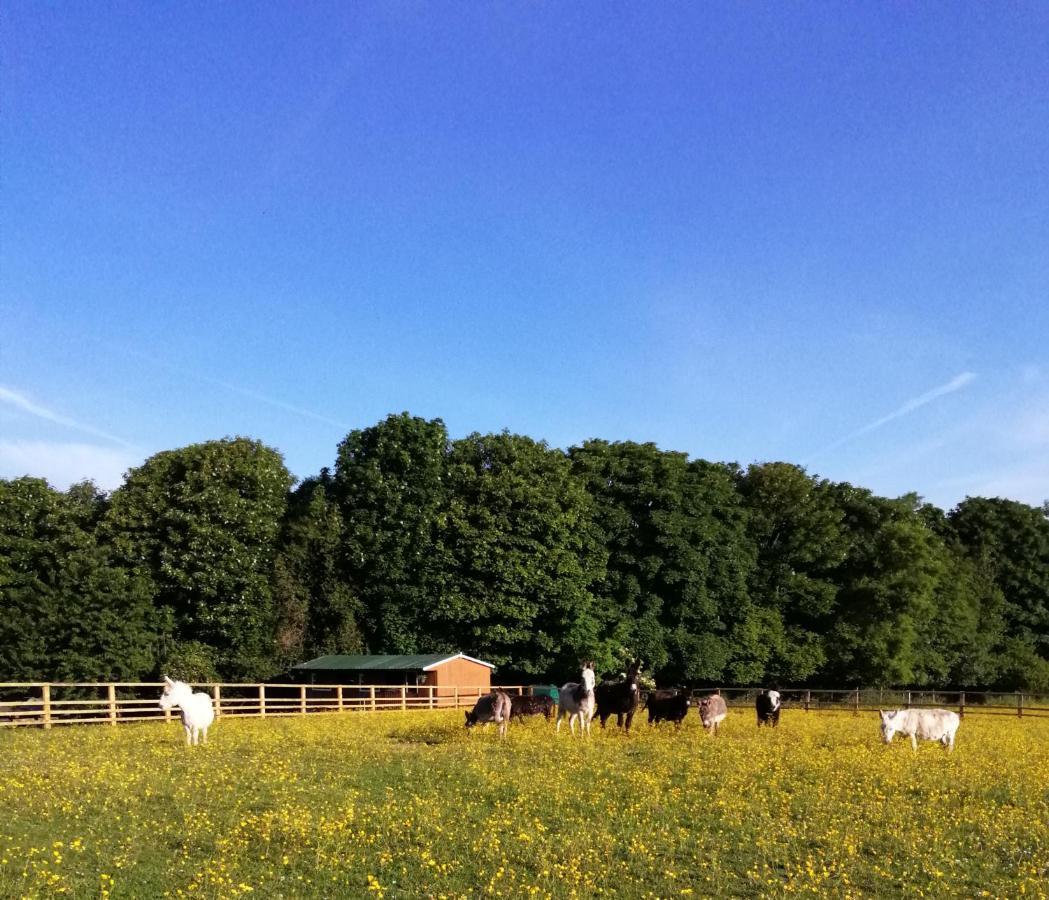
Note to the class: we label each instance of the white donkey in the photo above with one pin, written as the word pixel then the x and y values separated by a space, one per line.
pixel 196 709
pixel 927 724
pixel 576 700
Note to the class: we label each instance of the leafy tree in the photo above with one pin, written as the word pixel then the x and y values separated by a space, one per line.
pixel 520 537
pixel 1008 542
pixel 796 527
pixel 888 587
pixel 674 589
pixel 317 611
pixel 390 488
pixel 203 522
pixel 68 611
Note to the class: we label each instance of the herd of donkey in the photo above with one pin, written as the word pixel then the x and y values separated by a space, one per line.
pixel 583 700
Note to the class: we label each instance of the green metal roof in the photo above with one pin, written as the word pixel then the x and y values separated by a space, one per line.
pixel 417 662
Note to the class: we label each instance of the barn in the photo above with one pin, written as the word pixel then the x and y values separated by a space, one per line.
pixel 449 674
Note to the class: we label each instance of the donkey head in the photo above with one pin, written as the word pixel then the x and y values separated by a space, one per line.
pixel 175 693
pixel 633 674
pixel 888 725
pixel 589 679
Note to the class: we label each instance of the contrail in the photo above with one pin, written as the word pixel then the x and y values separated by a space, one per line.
pixel 955 384
pixel 22 402
pixel 236 389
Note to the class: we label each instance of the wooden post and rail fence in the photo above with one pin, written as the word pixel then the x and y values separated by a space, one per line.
pixel 49 704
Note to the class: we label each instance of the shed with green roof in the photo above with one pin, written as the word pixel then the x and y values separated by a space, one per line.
pixel 449 673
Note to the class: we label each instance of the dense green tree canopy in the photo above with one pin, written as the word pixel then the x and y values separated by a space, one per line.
pixel 674 586
pixel 203 522
pixel 208 563
pixel 68 611
pixel 390 487
pixel 520 540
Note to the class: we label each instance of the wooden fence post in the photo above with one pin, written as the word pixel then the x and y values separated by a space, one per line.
pixel 338 696
pixel 111 697
pixel 302 699
pixel 404 697
pixel 808 699
pixel 961 705
pixel 1019 704
pixel 262 701
pixel 856 702
pixel 908 700
pixel 431 696
pixel 45 695
pixel 371 696
pixel 216 695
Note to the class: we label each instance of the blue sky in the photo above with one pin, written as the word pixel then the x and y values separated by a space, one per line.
pixel 810 232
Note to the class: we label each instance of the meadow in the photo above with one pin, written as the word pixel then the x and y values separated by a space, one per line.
pixel 411 805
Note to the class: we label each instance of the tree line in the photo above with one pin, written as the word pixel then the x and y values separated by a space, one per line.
pixel 209 562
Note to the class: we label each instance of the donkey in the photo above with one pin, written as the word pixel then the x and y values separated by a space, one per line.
pixel 619 697
pixel 493 707
pixel 531 705
pixel 712 712
pixel 927 724
pixel 576 700
pixel 196 709
pixel 667 705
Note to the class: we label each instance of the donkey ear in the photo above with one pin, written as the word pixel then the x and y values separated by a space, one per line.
pixel 168 680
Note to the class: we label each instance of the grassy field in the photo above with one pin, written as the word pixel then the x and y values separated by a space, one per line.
pixel 410 805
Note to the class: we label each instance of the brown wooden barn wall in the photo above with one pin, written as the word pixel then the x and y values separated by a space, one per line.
pixel 462 674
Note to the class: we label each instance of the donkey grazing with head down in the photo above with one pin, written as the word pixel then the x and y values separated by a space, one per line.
pixel 196 709
pixel 576 700
pixel 620 698
pixel 493 707
pixel 530 705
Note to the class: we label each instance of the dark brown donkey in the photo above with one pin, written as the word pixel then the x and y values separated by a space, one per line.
pixel 619 698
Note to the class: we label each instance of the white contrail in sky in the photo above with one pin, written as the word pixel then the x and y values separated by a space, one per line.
pixel 234 388
pixel 955 384
pixel 273 401
pixel 22 402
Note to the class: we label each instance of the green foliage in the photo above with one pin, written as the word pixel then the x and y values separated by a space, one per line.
pixel 888 583
pixel 390 488
pixel 67 610
pixel 190 661
pixel 795 524
pixel 206 564
pixel 1008 542
pixel 317 612
pixel 203 522
pixel 674 587
pixel 520 538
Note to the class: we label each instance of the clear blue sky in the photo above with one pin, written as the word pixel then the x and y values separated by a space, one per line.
pixel 812 232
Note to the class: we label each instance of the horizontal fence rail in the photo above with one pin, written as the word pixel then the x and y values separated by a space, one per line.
pixel 858 700
pixel 49 704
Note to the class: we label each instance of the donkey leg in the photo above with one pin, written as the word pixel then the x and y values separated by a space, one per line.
pixel 914 743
